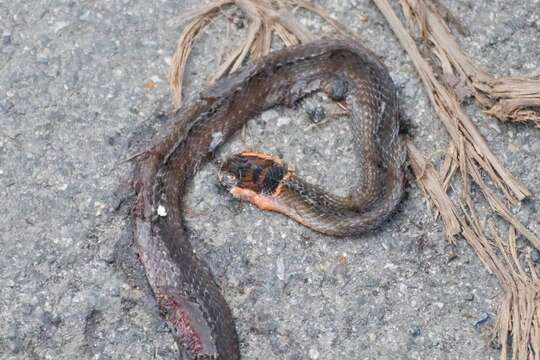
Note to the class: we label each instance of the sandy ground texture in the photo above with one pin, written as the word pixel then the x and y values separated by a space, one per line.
pixel 73 104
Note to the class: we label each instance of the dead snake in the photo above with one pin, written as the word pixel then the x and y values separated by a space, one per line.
pixel 184 287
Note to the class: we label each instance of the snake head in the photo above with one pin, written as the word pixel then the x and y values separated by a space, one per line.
pixel 255 172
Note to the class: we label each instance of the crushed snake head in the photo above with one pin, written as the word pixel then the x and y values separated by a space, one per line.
pixel 254 177
pixel 254 171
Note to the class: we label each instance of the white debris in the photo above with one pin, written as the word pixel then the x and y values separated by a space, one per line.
pixel 161 211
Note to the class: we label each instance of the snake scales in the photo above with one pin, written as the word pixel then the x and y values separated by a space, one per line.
pixel 186 292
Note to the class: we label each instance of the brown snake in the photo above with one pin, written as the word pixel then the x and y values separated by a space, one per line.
pixel 186 292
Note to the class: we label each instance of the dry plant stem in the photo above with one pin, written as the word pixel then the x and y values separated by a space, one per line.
pixel 463 132
pixel 198 20
pixel 457 122
pixel 519 311
pixel 265 18
pixel 518 320
pixel 515 98
pixel 427 175
pixel 497 205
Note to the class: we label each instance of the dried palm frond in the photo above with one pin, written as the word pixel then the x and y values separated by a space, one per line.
pixel 265 18
pixel 519 312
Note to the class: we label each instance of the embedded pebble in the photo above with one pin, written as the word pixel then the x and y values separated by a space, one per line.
pixel 415 330
pixel 535 256
pixel 316 114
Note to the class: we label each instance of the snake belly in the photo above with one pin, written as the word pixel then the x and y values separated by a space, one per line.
pixel 186 292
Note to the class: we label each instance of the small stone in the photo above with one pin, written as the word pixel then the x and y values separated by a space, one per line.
pixel 469 297
pixel 535 256
pixel 484 319
pixel 316 114
pixel 415 330
pixel 239 20
pixel 99 207
pixel 338 90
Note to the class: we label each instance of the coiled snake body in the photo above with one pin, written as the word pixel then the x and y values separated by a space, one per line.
pixel 185 290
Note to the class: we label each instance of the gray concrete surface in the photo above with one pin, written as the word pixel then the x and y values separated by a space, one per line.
pixel 72 105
